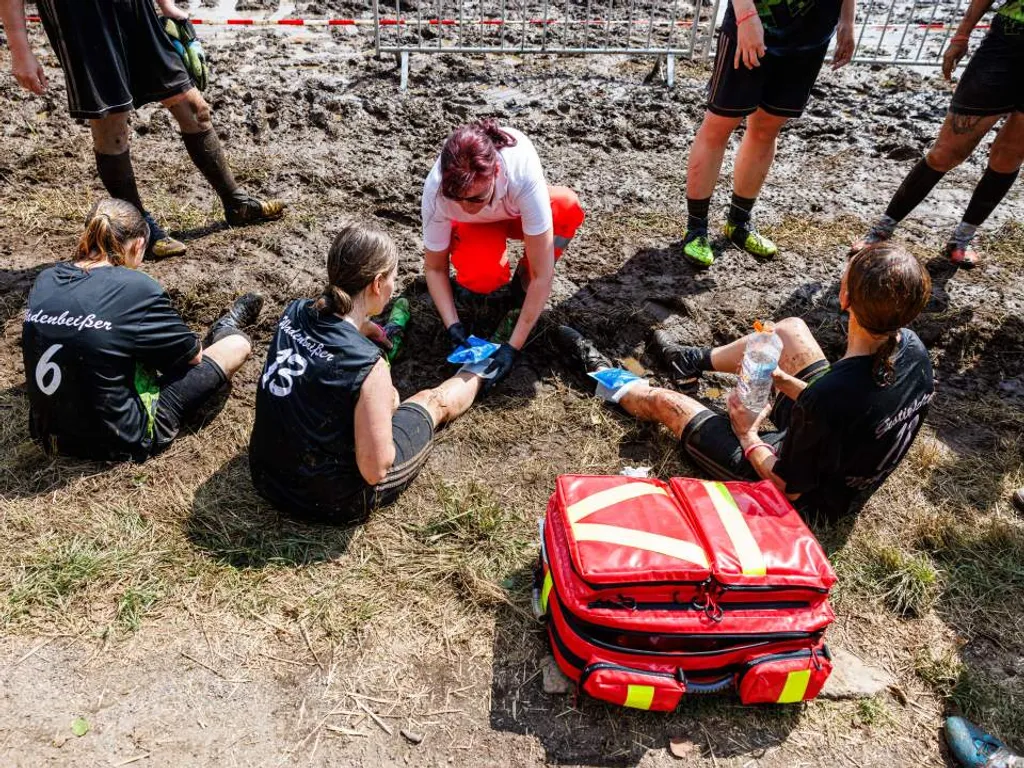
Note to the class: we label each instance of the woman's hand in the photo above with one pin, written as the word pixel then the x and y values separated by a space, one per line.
pixel 788 385
pixel 376 334
pixel 844 45
pixel 171 11
pixel 28 72
pixel 749 43
pixel 744 423
pixel 955 51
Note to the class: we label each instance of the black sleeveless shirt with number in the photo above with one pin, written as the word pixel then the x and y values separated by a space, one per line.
pixel 302 452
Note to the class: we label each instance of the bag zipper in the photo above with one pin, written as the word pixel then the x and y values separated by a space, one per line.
pixel 806 653
pixel 597 666
pixel 629 604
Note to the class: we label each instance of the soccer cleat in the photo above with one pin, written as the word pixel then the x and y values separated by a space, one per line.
pixel 748 239
pixel 242 208
pixel 161 245
pixel 243 311
pixel 974 748
pixel 697 250
pixel 580 351
pixel 961 255
pixel 683 360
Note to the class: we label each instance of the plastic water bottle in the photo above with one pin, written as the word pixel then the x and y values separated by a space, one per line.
pixel 760 359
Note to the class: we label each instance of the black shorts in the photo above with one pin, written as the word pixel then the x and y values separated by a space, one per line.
pixel 181 394
pixel 710 442
pixel 993 83
pixel 114 53
pixel 781 86
pixel 412 430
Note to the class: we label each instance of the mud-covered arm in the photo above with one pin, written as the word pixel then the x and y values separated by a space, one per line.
pixel 540 252
pixel 24 65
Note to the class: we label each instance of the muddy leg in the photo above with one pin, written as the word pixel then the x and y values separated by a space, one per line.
pixel 229 353
pixel 450 399
pixel 706 154
pixel 756 153
pixel 799 349
pixel 674 410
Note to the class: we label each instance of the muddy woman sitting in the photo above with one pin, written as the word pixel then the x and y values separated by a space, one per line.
pixel 112 369
pixel 331 440
pixel 486 188
pixel 841 429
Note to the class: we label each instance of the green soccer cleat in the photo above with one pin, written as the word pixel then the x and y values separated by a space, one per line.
pixel 748 239
pixel 697 249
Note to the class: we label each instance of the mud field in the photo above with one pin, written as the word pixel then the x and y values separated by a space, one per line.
pixel 172 609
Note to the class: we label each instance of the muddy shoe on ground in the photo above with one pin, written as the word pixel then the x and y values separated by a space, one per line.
pixel 880 231
pixel 684 361
pixel 748 239
pixel 973 748
pixel 243 312
pixel 961 255
pixel 580 353
pixel 161 245
pixel 242 208
pixel 697 250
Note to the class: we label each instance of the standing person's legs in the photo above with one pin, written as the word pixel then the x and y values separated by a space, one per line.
pixel 1004 161
pixel 204 148
pixel 986 92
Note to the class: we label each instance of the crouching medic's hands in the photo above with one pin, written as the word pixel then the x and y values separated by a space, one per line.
pixel 457 335
pixel 502 363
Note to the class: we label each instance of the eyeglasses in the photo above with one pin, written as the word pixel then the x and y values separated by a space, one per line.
pixel 476 199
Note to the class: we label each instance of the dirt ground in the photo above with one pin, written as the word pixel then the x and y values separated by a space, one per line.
pixel 170 608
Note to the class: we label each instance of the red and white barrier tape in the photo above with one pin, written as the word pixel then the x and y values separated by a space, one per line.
pixel 411 22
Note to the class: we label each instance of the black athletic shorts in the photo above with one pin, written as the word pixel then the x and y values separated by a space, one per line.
pixel 781 86
pixel 710 442
pixel 993 83
pixel 181 394
pixel 413 433
pixel 114 53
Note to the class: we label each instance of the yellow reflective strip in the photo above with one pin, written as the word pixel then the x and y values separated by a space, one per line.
pixel 639 696
pixel 649 542
pixel 749 553
pixel 795 687
pixel 545 591
pixel 602 499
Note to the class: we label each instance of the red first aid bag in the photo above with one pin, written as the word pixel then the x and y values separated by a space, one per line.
pixel 653 589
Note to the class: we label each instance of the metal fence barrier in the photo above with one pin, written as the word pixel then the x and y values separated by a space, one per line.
pixel 903 32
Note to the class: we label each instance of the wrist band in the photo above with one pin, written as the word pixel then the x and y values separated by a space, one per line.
pixel 960 39
pixel 746 16
pixel 754 447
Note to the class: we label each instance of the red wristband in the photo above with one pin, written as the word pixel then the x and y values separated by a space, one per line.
pixel 746 16
pixel 754 447
pixel 960 39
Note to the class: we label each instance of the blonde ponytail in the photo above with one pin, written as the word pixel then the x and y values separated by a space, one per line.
pixel 109 227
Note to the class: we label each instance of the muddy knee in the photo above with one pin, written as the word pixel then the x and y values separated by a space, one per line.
pixel 946 158
pixel 191 111
pixel 110 134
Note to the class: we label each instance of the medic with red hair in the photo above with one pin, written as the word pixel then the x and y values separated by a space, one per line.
pixel 486 187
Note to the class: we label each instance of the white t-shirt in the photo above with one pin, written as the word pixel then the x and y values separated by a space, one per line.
pixel 520 191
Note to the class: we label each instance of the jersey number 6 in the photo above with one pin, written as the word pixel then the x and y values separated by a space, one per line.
pixel 45 367
pixel 287 365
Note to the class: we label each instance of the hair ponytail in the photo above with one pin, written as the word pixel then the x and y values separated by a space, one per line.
pixel 358 255
pixel 109 227
pixel 470 154
pixel 882 369
pixel 887 289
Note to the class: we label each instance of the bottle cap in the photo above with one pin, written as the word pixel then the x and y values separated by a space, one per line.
pixel 764 327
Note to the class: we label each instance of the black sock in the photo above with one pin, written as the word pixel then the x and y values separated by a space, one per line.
pixel 704 361
pixel 208 155
pixel 697 214
pixel 118 177
pixel 915 188
pixel 740 208
pixel 987 195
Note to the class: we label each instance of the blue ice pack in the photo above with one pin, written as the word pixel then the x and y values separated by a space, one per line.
pixel 612 383
pixel 476 350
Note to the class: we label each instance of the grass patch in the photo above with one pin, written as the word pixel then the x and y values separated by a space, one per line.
pixel 908 584
pixel 135 603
